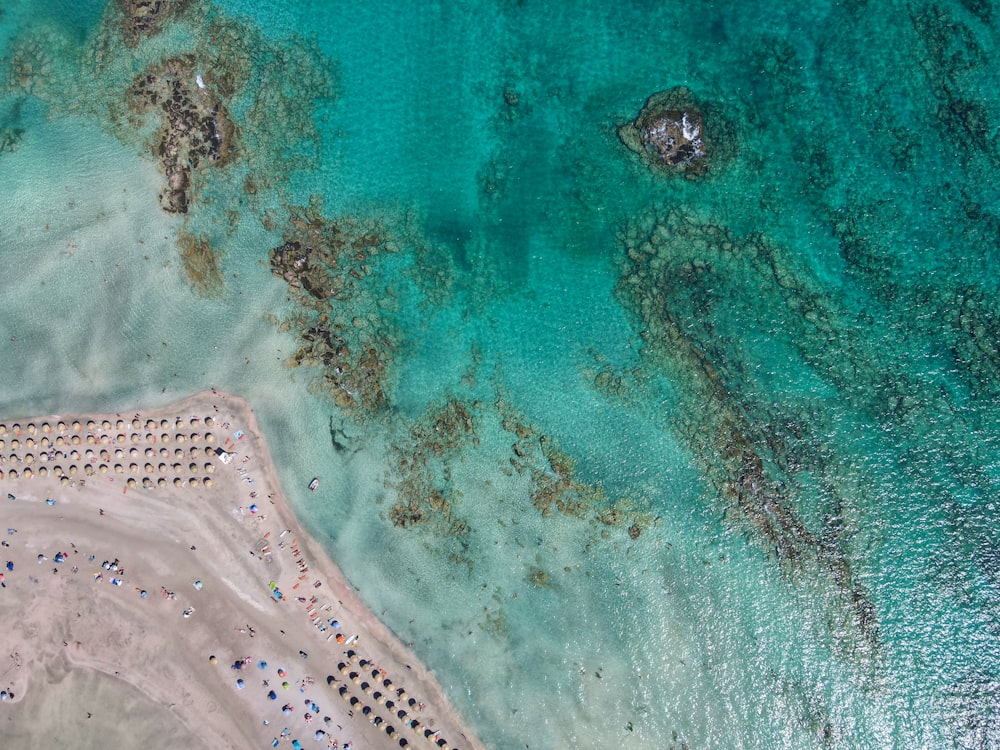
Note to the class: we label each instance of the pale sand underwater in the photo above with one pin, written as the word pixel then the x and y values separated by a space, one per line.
pixel 91 664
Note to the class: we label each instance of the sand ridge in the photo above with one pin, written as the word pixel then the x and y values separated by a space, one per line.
pixel 139 553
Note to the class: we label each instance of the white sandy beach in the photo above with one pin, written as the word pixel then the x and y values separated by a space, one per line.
pixel 87 660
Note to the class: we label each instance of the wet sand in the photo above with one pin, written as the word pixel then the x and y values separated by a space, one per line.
pixel 89 661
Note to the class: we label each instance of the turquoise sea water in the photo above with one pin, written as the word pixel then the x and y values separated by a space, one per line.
pixel 781 378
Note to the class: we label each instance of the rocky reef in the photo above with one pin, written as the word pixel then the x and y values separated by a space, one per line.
pixel 10 138
pixel 145 18
pixel 676 134
pixel 195 127
pixel 696 290
pixel 331 268
pixel 420 464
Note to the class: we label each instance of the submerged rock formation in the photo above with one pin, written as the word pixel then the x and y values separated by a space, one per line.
pixel 334 275
pixel 145 18
pixel 695 289
pixel 676 134
pixel 195 126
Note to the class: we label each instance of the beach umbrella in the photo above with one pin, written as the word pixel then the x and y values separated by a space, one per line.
pixel 320 734
pixel 237 665
pixel 272 695
pixel 284 685
pixel 404 742
pixel 262 664
pixel 212 659
pixel 296 745
pixel 286 710
pixel 240 684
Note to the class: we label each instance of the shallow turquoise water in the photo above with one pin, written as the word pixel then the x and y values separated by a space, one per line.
pixel 845 341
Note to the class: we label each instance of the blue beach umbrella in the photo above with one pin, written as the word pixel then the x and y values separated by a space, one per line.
pixel 262 664
pixel 272 695
pixel 240 684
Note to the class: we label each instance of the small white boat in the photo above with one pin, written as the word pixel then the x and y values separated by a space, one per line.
pixel 314 484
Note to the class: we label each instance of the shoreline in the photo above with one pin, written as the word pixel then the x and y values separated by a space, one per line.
pixel 345 678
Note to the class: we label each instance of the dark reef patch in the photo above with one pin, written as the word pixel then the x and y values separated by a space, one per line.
pixel 674 133
pixel 700 294
pixel 195 127
pixel 332 268
pixel 141 19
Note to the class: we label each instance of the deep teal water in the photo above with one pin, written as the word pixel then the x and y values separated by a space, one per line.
pixel 789 384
